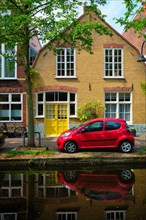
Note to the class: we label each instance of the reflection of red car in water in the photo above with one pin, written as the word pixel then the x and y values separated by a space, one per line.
pixel 102 185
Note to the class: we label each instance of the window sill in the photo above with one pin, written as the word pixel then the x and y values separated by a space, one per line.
pixel 73 116
pixel 66 77
pixel 115 78
pixel 5 79
pixel 39 117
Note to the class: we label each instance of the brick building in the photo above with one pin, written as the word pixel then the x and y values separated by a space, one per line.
pixel 69 79
pixel 12 87
pixel 134 37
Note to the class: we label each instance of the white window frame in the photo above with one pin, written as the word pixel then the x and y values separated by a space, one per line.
pixel 49 181
pixel 41 103
pixel 115 212
pixel 14 214
pixel 65 64
pixel 9 102
pixel 117 103
pixel 68 102
pixel 64 215
pixel 3 59
pixel 115 74
pixel 11 186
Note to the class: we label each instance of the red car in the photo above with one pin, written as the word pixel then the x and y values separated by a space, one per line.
pixel 97 133
pixel 103 185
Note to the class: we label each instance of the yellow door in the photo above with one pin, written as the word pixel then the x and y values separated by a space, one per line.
pixel 56 119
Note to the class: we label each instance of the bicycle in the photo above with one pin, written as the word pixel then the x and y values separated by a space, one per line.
pixel 17 131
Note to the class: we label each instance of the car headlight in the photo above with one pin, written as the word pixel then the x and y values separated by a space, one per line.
pixel 65 134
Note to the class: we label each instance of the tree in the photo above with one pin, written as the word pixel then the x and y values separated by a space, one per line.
pixel 135 18
pixel 134 7
pixel 51 20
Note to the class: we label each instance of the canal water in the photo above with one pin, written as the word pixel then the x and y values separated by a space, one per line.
pixel 100 194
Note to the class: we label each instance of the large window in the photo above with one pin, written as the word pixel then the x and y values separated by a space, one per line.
pixel 65 63
pixel 7 63
pixel 12 186
pixel 52 97
pixel 65 215
pixel 118 105
pixel 10 107
pixel 115 215
pixel 113 63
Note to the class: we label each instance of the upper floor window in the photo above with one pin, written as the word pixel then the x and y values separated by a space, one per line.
pixel 32 55
pixel 7 63
pixel 113 63
pixel 65 63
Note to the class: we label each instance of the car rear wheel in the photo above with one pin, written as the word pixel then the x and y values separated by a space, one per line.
pixel 125 146
pixel 70 147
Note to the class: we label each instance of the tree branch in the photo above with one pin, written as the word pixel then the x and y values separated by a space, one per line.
pixel 14 3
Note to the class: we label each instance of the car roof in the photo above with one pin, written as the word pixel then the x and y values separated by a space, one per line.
pixel 108 119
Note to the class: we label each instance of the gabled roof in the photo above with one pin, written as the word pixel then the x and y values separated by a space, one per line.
pixel 105 23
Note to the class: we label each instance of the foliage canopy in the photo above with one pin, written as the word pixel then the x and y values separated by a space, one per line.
pixel 21 20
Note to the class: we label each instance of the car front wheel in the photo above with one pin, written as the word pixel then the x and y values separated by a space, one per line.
pixel 125 146
pixel 70 147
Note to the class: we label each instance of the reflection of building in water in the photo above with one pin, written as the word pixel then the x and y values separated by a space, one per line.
pixel 48 187
pixel 43 196
pixel 57 202
pixel 12 197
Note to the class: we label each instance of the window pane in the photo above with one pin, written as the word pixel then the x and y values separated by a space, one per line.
pixel 4 98
pixel 62 96
pixel 72 109
pixel 50 96
pixel 110 96
pixel 110 110
pixel 9 68
pixel 16 179
pixel 16 97
pixel 4 112
pixel 40 97
pixel 127 96
pixel 40 109
pixel 72 97
pixel 16 111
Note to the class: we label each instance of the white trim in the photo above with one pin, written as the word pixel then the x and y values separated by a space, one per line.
pixel 9 102
pixel 117 103
pixel 65 64
pixel 53 102
pixel 113 64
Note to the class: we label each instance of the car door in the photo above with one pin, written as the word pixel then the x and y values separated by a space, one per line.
pixel 112 132
pixel 91 135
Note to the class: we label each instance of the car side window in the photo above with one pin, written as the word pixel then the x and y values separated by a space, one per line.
pixel 96 126
pixel 112 125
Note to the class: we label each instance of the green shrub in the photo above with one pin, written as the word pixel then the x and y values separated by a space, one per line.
pixel 90 110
